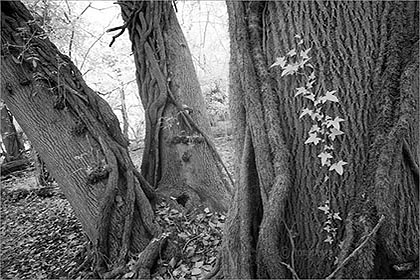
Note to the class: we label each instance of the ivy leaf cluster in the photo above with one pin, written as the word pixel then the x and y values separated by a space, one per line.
pixel 325 129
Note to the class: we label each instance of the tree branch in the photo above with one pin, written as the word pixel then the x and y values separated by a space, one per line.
pixel 352 254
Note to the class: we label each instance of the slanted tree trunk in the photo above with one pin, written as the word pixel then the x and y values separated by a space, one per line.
pixel 79 138
pixel 368 52
pixel 179 159
pixel 11 142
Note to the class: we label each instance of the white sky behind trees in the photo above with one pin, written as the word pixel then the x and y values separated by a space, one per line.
pixel 106 69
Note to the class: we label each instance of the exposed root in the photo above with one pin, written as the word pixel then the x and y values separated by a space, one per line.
pixel 148 256
pixel 105 209
pixel 128 223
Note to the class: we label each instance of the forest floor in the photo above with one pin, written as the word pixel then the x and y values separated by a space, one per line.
pixel 42 239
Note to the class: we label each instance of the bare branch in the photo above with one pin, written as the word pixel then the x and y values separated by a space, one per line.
pixel 295 276
pixel 366 238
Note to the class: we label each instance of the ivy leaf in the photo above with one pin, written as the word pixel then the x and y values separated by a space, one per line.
pixel 324 156
pixel 304 53
pixel 312 76
pixel 302 62
pixel 315 128
pixel 327 228
pixel 309 85
pixel 313 138
pixel 291 53
pixel 334 133
pixel 280 61
pixel 317 116
pixel 338 167
pixel 325 209
pixel 301 90
pixel 329 96
pixel 329 239
pixel 305 112
pixel 310 96
pixel 335 123
pixel 289 69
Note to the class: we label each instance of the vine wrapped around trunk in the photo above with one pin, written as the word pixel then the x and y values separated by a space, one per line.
pixel 79 138
pixel 368 52
pixel 179 158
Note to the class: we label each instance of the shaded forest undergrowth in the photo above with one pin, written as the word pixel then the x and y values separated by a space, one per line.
pixel 41 238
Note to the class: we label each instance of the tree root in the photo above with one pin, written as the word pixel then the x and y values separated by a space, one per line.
pixel 105 209
pixel 148 257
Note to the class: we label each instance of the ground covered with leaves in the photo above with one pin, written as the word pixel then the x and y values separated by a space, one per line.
pixel 41 238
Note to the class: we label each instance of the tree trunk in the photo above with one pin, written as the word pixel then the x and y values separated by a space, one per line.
pixel 179 159
pixel 9 136
pixel 78 137
pixel 368 52
pixel 124 111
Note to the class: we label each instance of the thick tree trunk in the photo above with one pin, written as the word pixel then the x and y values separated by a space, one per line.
pixel 368 52
pixel 9 136
pixel 179 159
pixel 78 137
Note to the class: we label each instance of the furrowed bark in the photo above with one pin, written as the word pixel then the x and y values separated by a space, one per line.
pixel 78 137
pixel 365 51
pixel 179 159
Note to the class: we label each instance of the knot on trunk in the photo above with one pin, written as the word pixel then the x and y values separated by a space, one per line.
pixel 97 174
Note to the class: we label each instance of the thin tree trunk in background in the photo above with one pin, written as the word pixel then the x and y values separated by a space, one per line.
pixel 11 142
pixel 79 138
pixel 179 159
pixel 368 52
pixel 124 112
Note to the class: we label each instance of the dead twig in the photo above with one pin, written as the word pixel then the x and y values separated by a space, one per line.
pixel 352 254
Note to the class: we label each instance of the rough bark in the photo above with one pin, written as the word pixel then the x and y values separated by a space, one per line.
pixel 78 137
pixel 368 51
pixel 11 142
pixel 179 159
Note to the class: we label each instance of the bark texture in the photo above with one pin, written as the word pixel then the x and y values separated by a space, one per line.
pixel 78 137
pixel 179 158
pixel 368 52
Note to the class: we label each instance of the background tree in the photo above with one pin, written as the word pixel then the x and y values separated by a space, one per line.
pixel 79 138
pixel 368 52
pixel 12 144
pixel 179 159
